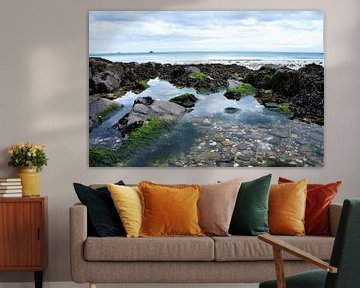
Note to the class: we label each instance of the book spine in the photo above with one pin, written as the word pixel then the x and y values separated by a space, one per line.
pixel 10 180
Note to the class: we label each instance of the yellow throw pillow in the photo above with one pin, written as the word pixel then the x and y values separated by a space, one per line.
pixel 127 201
pixel 287 204
pixel 169 210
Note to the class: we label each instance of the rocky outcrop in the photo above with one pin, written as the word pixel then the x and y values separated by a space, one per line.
pixel 104 76
pixel 112 77
pixel 303 89
pixel 115 77
pixel 145 108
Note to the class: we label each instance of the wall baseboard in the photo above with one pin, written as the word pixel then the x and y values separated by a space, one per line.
pixel 74 285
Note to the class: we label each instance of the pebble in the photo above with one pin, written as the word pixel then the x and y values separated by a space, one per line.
pixel 246 145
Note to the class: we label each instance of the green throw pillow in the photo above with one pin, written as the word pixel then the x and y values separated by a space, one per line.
pixel 250 215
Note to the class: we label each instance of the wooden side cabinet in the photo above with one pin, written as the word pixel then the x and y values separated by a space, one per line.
pixel 23 235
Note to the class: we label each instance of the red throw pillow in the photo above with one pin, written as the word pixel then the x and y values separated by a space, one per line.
pixel 319 197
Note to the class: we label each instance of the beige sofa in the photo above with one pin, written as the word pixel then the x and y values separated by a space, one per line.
pixel 234 259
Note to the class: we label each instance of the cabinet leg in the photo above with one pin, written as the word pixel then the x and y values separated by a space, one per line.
pixel 38 279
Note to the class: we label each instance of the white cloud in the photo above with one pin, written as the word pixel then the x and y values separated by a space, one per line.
pixel 203 31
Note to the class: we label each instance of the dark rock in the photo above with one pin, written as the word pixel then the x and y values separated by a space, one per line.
pixel 96 106
pixel 186 100
pixel 239 91
pixel 286 82
pixel 104 82
pixel 192 69
pixel 242 146
pixel 104 76
pixel 144 100
pixel 145 109
pixel 262 78
pixel 231 110
pixel 271 105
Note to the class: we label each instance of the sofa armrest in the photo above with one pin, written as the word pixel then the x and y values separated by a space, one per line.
pixel 78 235
pixel 334 217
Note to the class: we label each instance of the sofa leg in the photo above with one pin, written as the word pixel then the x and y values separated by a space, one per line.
pixel 92 285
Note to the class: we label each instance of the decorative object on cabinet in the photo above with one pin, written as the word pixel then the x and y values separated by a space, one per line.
pixel 30 158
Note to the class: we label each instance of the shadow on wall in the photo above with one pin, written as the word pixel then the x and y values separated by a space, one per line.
pixel 46 81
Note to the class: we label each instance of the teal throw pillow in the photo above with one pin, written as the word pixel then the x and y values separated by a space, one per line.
pixel 250 216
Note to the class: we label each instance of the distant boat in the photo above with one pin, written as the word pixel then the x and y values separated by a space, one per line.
pixel 151 51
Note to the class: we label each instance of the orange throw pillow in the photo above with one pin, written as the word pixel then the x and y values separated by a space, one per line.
pixel 319 197
pixel 169 210
pixel 287 204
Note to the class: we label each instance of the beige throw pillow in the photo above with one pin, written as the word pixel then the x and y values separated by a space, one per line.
pixel 216 206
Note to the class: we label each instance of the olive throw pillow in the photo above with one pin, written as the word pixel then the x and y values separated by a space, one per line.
pixel 216 206
pixel 319 197
pixel 127 201
pixel 250 215
pixel 287 204
pixel 169 210
pixel 102 215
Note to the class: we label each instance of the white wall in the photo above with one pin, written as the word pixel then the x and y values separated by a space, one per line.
pixel 43 90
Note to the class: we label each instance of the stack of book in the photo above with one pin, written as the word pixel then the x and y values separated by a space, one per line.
pixel 10 187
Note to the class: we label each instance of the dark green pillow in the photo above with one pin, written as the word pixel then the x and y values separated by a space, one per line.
pixel 103 218
pixel 250 216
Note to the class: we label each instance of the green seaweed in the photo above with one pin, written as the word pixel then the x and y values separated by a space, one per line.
pixel 108 110
pixel 269 76
pixel 279 163
pixel 102 157
pixel 143 84
pixel 156 143
pixel 184 97
pixel 284 108
pixel 198 75
pixel 202 91
pixel 143 136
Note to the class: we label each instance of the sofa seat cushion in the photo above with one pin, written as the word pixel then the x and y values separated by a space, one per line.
pixel 149 249
pixel 244 248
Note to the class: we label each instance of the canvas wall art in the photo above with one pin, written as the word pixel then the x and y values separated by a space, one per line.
pixel 206 88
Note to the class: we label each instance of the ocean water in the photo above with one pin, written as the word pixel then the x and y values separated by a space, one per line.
pixel 250 59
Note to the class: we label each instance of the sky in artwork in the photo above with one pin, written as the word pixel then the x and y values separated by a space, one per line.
pixel 177 31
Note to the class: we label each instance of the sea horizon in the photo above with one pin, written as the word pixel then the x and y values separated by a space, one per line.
pixel 250 59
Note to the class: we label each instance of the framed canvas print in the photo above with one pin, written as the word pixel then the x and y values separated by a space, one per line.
pixel 206 88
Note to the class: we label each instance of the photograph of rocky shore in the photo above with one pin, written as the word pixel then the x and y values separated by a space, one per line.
pixel 206 89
